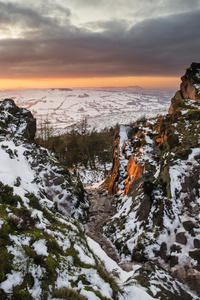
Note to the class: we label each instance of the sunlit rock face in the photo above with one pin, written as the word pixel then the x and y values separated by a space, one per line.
pixel 127 165
pixel 189 87
pixel 125 168
pixel 134 172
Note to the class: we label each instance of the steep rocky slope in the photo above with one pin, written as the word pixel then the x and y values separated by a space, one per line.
pixel 43 251
pixel 156 172
pixel 32 167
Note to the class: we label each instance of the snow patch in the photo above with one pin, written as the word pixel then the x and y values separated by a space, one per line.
pixel 40 247
pixel 13 279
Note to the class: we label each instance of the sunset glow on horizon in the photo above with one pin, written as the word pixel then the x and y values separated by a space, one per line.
pixel 144 82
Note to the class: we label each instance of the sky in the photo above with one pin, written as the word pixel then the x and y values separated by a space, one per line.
pixel 61 43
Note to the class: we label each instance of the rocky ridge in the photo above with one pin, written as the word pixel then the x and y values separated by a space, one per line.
pixel 156 167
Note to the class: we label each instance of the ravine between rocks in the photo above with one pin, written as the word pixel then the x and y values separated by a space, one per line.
pixel 102 208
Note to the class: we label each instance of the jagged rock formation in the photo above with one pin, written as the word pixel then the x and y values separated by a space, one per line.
pixel 158 219
pixel 189 88
pixel 126 167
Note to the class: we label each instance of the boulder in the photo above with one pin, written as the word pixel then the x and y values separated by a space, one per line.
pixel 179 272
pixel 173 261
pixel 189 225
pixel 193 278
pixel 178 95
pixel 196 243
pixel 188 91
pixel 181 238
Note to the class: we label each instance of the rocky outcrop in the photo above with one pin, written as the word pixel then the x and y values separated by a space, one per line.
pixel 190 86
pixel 16 122
pixel 18 126
pixel 187 87
pixel 134 172
pixel 126 166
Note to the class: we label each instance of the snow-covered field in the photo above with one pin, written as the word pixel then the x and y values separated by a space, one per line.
pixel 103 107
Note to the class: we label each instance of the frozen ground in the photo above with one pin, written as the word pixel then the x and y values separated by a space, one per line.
pixel 103 107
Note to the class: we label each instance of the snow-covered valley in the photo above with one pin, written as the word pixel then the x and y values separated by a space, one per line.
pixel 103 107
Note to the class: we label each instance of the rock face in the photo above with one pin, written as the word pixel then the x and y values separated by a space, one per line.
pixel 134 172
pixel 190 86
pixel 121 179
pixel 158 219
pixel 19 122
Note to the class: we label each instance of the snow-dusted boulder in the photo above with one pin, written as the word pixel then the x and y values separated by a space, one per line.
pixel 18 122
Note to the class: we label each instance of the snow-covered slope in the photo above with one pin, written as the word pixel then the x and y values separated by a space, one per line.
pixel 43 249
pixel 102 107
pixel 44 253
pixel 156 169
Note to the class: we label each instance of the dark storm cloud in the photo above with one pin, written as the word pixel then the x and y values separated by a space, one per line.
pixel 51 46
pixel 17 16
